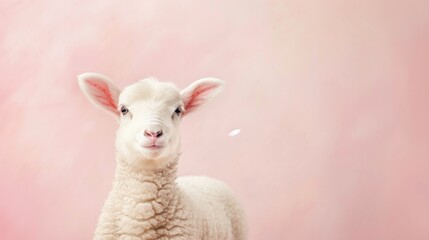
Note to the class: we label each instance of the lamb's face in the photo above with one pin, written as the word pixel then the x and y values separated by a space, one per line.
pixel 150 115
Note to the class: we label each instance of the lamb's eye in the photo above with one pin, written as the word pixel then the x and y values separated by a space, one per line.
pixel 178 111
pixel 124 110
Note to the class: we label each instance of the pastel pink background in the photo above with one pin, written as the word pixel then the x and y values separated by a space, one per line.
pixel 331 97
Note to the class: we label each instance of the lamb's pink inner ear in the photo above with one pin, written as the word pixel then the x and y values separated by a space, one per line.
pixel 100 91
pixel 200 92
pixel 197 97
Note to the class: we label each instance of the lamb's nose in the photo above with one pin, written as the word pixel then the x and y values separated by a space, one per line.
pixel 153 134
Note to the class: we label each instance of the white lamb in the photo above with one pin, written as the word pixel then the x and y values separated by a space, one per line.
pixel 148 201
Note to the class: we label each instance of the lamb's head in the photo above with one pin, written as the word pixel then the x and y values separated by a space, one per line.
pixel 149 113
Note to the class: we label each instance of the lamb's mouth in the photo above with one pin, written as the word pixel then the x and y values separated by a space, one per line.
pixel 153 147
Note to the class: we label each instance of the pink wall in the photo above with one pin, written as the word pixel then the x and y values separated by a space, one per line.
pixel 331 96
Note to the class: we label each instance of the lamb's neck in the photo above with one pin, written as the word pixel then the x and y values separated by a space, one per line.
pixel 159 176
pixel 147 196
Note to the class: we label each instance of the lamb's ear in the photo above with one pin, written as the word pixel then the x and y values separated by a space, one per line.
pixel 100 91
pixel 200 92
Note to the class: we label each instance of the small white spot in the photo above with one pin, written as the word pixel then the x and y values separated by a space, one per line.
pixel 234 132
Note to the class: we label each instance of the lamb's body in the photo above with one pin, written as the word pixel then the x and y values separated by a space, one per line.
pixel 158 206
pixel 147 200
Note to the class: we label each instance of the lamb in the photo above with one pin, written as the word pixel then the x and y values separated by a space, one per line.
pixel 148 200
